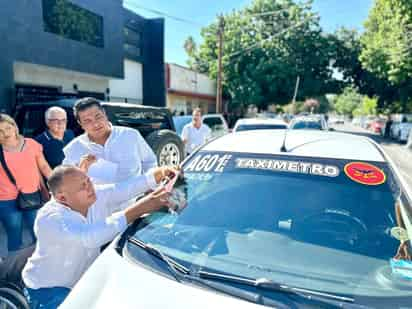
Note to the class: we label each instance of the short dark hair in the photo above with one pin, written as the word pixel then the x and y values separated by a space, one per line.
pixel 84 104
pixel 57 176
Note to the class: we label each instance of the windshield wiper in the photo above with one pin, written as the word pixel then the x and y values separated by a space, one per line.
pixel 176 269
pixel 209 279
pixel 270 285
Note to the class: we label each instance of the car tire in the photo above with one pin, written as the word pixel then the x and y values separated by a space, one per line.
pixel 167 146
pixel 12 299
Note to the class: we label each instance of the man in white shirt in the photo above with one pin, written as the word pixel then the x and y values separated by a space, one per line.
pixel 76 222
pixel 120 152
pixel 196 133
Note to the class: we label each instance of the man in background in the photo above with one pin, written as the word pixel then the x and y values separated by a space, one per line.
pixel 196 133
pixel 56 136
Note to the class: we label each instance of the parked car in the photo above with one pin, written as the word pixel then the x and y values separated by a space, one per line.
pixel 154 123
pixel 247 124
pixel 378 126
pixel 336 119
pixel 311 122
pixel 216 122
pixel 400 131
pixel 409 143
pixel 311 222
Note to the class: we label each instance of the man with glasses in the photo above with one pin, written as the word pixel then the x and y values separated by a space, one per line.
pixel 55 137
pixel 117 153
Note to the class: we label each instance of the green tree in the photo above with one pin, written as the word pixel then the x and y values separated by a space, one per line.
pixel 386 49
pixel 266 46
pixel 348 101
pixel 368 107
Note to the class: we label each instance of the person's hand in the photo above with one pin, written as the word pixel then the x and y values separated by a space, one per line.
pixel 86 161
pixel 164 171
pixel 154 201
pixel 403 252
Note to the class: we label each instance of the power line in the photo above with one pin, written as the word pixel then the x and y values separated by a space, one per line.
pixel 176 18
pixel 256 45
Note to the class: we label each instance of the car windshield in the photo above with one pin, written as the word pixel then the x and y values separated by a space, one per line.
pixel 302 222
pixel 247 127
pixel 316 125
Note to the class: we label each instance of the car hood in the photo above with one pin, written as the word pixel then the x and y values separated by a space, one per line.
pixel 115 282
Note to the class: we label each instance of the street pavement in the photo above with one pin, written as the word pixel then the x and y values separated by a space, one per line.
pixel 400 154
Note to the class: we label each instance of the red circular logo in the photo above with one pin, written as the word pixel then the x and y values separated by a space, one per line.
pixel 365 173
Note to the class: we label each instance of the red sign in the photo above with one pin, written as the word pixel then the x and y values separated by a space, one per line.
pixel 365 173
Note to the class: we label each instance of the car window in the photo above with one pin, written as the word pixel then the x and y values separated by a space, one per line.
pixel 270 215
pixel 214 123
pixel 307 125
pixel 32 122
pixel 144 121
pixel 247 127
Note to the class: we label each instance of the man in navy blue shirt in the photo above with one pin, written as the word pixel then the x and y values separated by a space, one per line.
pixel 56 137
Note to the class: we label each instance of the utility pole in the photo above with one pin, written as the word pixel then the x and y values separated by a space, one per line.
pixel 220 33
pixel 296 89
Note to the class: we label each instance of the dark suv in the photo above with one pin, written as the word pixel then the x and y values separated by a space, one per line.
pixel 154 123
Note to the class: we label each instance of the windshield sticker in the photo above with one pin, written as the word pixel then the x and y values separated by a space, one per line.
pixel 208 163
pixel 365 173
pixel 288 166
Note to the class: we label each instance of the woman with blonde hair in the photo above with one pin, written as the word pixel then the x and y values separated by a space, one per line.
pixel 21 169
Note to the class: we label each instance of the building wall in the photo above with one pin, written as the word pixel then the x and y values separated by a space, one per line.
pixel 24 41
pixel 154 87
pixel 34 74
pixel 131 87
pixel 186 104
pixel 184 79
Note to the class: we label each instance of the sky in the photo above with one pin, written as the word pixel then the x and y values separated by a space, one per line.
pixel 333 14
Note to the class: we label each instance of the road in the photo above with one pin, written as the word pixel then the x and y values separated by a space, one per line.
pixel 398 153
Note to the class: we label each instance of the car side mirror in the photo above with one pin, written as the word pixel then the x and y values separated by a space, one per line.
pixel 332 129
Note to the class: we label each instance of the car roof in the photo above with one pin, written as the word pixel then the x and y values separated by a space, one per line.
pixel 312 118
pixel 306 143
pixel 245 121
pixel 69 103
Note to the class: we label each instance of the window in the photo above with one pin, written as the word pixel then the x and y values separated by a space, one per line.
pixel 63 18
pixel 213 122
pixel 132 37
pixel 132 50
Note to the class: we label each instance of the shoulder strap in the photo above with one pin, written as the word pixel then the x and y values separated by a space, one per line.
pixel 5 167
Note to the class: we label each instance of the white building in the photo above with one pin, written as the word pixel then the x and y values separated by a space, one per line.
pixel 187 89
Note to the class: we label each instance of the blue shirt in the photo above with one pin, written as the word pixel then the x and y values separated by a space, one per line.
pixel 53 147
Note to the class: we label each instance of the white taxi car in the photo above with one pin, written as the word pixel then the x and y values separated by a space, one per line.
pixel 306 219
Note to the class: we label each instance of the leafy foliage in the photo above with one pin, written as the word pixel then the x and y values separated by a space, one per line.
pixel 266 46
pixel 348 101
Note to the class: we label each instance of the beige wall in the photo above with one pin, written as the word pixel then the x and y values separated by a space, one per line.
pixel 184 79
pixel 187 104
pixel 33 74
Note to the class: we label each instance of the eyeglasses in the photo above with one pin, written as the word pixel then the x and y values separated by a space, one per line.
pixel 55 120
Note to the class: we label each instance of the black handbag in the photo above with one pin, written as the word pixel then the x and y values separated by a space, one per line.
pixel 25 201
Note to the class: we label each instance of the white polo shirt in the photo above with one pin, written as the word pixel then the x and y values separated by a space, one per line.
pixel 68 243
pixel 195 137
pixel 124 154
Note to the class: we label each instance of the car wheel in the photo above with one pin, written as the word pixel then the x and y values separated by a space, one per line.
pixel 12 299
pixel 167 146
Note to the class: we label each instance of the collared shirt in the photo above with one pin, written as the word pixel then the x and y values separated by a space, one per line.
pixel 68 242
pixel 195 137
pixel 53 147
pixel 124 154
